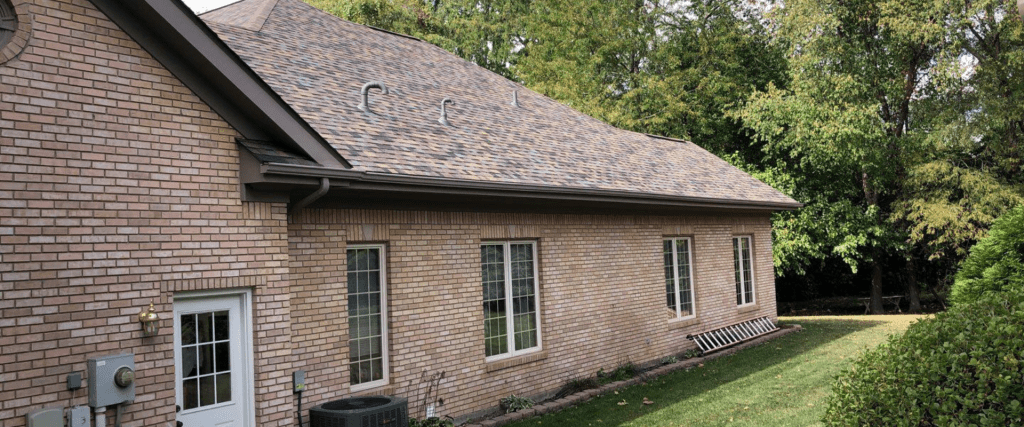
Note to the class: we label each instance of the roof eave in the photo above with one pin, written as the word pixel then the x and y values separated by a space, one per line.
pixel 385 183
pixel 190 50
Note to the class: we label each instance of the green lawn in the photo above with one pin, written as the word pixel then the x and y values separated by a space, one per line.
pixel 781 383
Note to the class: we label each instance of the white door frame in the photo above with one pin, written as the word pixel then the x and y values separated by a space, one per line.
pixel 248 398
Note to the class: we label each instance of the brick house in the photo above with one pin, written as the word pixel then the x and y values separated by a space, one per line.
pixel 221 168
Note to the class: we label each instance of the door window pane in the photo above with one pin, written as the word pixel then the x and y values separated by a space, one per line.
pixel 205 358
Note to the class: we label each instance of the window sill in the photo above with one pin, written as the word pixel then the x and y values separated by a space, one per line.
pixel 498 365
pixel 747 308
pixel 381 389
pixel 682 323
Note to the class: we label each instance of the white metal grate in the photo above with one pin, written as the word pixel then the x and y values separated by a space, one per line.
pixel 724 337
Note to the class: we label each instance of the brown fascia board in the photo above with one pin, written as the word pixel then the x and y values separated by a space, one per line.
pixel 190 50
pixel 386 183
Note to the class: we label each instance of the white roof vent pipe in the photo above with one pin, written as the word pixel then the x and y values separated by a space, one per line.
pixel 365 104
pixel 444 113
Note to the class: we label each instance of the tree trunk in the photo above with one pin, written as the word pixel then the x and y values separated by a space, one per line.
pixel 912 287
pixel 876 288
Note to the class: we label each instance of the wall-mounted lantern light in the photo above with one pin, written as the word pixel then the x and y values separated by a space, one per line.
pixel 149 320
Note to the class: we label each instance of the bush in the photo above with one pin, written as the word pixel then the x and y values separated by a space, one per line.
pixel 962 367
pixel 514 403
pixel 995 263
pixel 431 422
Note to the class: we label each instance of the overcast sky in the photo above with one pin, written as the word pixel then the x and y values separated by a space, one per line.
pixel 200 6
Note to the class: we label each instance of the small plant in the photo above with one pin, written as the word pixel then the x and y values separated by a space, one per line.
pixel 514 403
pixel 622 372
pixel 432 422
pixel 668 360
pixel 691 353
pixel 577 384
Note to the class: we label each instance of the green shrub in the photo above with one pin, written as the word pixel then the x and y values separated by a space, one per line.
pixel 514 403
pixel 995 262
pixel 962 367
pixel 431 422
pixel 577 384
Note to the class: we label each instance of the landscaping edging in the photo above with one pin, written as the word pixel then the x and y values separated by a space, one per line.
pixel 565 402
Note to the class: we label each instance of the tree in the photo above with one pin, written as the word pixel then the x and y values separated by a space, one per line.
pixel 487 32
pixel 845 125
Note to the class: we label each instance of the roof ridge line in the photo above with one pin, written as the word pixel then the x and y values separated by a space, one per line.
pixel 384 31
pixel 668 138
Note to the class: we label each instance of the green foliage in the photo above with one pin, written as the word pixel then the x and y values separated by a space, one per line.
pixel 668 360
pixel 578 383
pixel 963 367
pixel 950 207
pixel 514 403
pixel 665 68
pixel 484 32
pixel 995 264
pixel 622 372
pixel 431 422
pixel 881 132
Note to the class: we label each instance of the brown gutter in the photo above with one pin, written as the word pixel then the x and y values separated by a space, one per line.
pixel 420 184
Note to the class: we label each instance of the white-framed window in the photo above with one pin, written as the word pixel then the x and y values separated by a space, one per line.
pixel 367 317
pixel 679 277
pixel 744 270
pixel 511 298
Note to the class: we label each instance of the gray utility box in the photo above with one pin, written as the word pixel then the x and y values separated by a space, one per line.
pixel 49 417
pixel 111 380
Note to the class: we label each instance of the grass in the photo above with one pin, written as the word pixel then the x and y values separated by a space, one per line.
pixel 781 383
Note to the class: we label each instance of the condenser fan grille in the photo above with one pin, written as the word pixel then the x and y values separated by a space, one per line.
pixel 356 403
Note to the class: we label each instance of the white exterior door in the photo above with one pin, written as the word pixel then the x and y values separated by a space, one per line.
pixel 213 360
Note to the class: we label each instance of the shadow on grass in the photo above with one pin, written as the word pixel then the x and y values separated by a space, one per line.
pixel 751 367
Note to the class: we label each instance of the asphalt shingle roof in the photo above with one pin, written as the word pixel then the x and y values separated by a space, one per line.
pixel 318 63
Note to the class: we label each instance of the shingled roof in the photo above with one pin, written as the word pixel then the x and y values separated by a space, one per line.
pixel 317 63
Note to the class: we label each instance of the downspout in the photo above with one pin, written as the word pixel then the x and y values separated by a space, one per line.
pixel 325 184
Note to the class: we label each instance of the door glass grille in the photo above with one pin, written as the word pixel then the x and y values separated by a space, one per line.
pixel 205 358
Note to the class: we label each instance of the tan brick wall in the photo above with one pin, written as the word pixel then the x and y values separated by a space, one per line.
pixel 119 186
pixel 601 278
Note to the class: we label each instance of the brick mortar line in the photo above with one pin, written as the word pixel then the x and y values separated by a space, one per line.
pixel 585 395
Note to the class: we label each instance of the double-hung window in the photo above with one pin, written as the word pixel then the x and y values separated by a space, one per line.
pixel 367 317
pixel 511 298
pixel 744 276
pixel 679 277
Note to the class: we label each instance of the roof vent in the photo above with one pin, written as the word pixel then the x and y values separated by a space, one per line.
pixel 444 113
pixel 365 104
pixel 515 98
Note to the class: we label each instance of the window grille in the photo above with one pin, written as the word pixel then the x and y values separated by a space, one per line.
pixel 8 22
